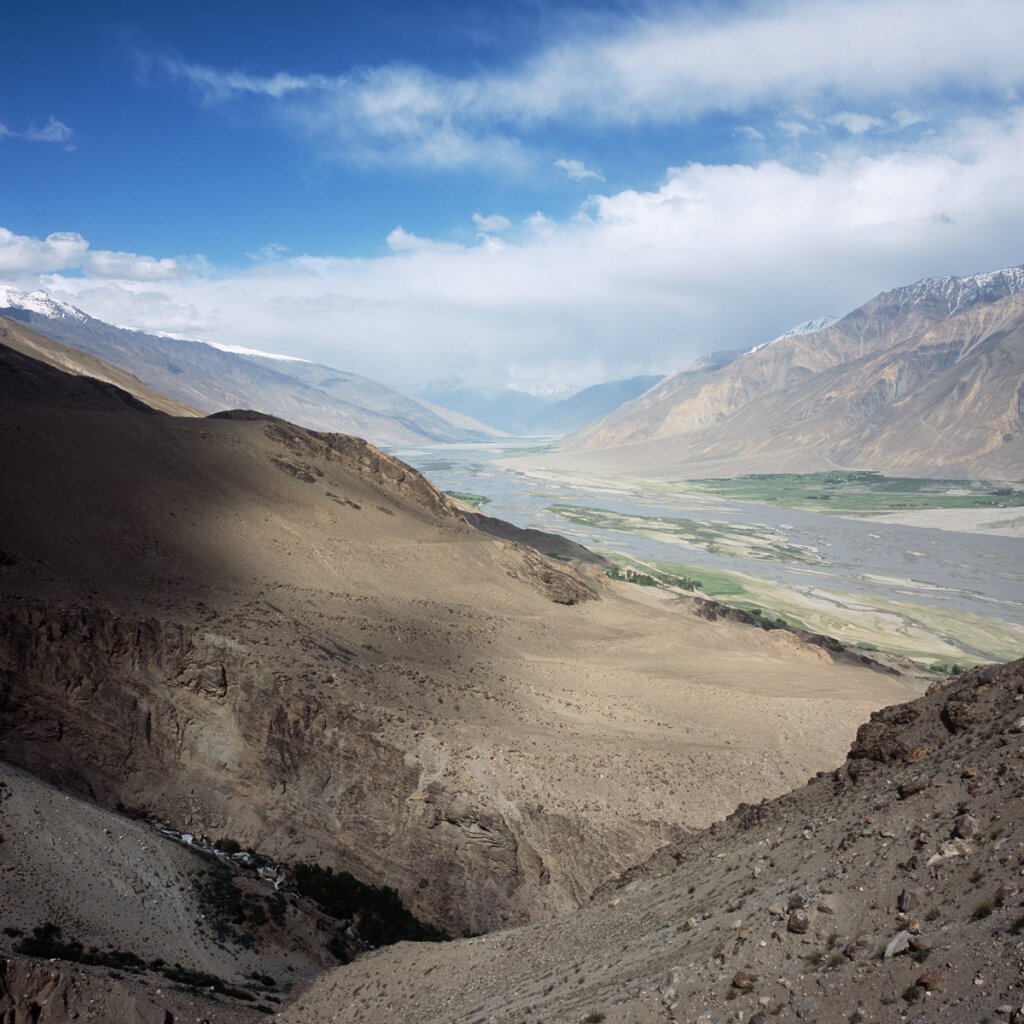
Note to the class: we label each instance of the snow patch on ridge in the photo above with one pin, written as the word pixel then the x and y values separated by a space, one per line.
pixel 807 327
pixel 39 302
pixel 44 304
pixel 961 293
pixel 241 350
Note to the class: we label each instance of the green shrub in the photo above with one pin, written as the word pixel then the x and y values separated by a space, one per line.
pixel 382 919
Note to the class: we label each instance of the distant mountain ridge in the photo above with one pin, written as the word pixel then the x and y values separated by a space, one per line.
pixel 212 379
pixel 926 379
pixel 520 412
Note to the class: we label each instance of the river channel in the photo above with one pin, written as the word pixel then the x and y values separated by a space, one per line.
pixel 966 572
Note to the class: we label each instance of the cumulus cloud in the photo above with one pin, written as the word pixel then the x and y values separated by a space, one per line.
pixel 495 222
pixel 64 250
pixel 20 254
pixel 672 68
pixel 577 170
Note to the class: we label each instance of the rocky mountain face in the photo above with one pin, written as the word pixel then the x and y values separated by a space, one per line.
pixel 255 631
pixel 923 380
pixel 211 379
pixel 888 889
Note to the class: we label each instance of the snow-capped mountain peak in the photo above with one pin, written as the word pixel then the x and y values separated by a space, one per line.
pixel 807 327
pixel 39 302
pixel 960 293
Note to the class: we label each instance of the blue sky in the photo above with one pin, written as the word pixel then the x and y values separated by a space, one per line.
pixel 536 193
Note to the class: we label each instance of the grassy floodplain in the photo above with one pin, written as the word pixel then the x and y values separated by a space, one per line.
pixel 849 491
pixel 929 634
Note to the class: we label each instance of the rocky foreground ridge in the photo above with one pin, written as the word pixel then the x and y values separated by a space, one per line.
pixel 886 890
pixel 293 640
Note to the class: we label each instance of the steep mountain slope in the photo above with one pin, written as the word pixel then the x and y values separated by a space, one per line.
pixel 19 338
pixel 889 889
pixel 294 640
pixel 871 391
pixel 209 378
pixel 149 902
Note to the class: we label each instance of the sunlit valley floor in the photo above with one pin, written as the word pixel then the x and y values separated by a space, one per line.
pixel 929 569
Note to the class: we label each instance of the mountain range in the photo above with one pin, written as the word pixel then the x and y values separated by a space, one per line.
pixel 291 642
pixel 210 378
pixel 268 699
pixel 924 380
pixel 518 412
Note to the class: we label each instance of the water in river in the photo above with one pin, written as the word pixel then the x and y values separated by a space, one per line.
pixel 960 572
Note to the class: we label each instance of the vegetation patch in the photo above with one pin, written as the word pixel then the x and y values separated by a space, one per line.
pixel 651 578
pixel 737 539
pixel 378 913
pixel 475 500
pixel 47 943
pixel 858 491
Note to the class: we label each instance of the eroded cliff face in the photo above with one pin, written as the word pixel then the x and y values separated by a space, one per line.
pixel 293 640
pixel 209 735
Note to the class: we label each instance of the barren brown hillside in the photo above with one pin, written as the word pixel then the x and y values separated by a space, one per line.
pixel 233 605
pixel 911 383
pixel 888 890
pixel 289 638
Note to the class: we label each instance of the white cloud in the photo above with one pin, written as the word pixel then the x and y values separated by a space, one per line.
pixel 402 241
pixel 718 256
pixel 654 70
pixel 126 266
pixel 218 85
pixel 52 131
pixel 855 124
pixel 577 170
pixel 270 251
pixel 792 128
pixel 495 222
pixel 20 254
pixel 904 118
pixel 64 250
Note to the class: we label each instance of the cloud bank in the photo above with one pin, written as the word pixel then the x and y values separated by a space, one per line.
pixel 786 64
pixel 717 256
pixel 859 145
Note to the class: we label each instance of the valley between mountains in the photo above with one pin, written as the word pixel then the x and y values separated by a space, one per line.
pixel 252 630
pixel 236 652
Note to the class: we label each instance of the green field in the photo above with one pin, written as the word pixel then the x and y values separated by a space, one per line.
pixel 475 500
pixel 855 491
pixel 753 541
pixel 933 637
